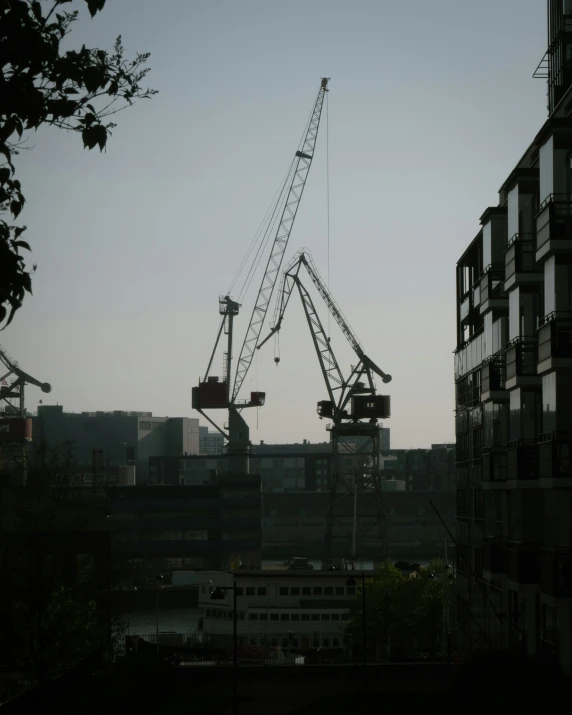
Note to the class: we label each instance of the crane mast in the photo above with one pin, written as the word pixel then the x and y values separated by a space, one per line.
pixel 215 393
pixel 355 507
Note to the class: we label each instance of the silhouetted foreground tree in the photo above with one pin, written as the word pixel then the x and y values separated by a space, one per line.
pixel 76 90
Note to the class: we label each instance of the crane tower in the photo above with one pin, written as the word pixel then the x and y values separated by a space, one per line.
pixel 355 524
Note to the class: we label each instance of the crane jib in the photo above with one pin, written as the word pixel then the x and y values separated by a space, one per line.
pixel 301 155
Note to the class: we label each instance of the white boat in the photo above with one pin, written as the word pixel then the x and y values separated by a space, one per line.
pixel 298 608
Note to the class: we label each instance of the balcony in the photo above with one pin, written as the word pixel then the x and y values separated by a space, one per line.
pixel 555 341
pixel 523 562
pixel 521 362
pixel 554 226
pixel 554 456
pixel 522 460
pixel 494 557
pixel 492 289
pixel 519 261
pixel 494 461
pixel 493 380
pixel 556 572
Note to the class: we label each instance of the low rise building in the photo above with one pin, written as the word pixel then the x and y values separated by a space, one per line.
pixel 113 439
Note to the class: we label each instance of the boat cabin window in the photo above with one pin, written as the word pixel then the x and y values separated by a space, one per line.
pixel 339 590
pixel 295 591
pixel 329 591
pixel 317 590
pixel 283 590
pixel 315 616
pixel 305 616
pixel 273 616
pixel 306 591
pixel 250 590
pixel 261 591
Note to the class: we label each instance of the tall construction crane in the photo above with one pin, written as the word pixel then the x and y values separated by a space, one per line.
pixel 214 392
pixel 355 508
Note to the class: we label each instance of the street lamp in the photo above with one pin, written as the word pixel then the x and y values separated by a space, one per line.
pixel 217 595
pixel 351 582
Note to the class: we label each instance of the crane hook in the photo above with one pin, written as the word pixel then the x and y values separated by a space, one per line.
pixel 276 360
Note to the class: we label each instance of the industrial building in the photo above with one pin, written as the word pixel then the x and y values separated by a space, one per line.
pixel 115 438
pixel 513 375
pixel 161 529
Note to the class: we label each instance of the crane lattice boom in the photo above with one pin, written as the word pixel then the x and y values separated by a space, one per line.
pixel 300 174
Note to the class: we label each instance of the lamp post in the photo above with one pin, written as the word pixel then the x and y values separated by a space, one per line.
pixel 159 580
pixel 351 582
pixel 219 594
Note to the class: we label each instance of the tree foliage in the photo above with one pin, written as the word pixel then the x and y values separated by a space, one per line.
pixel 404 610
pixel 77 90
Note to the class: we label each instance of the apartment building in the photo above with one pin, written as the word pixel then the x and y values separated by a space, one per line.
pixel 513 375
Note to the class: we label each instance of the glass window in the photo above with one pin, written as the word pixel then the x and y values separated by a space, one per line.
pixel 284 616
pixel 325 642
pixel 295 617
pixel 335 643
pixel 325 616
pixel 283 590
pixel 345 616
pixel 240 591
pixel 263 616
pixel 335 616
pixel 250 590
pixel 295 591
pixel 273 616
pixel 351 590
pixel 253 616
pixel 315 616
pixel 329 591
pixel 317 590
pixel 305 617
pixel 261 591
pixel 339 590
pixel 306 591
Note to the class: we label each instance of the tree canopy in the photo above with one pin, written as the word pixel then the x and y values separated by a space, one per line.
pixel 76 90
pixel 404 611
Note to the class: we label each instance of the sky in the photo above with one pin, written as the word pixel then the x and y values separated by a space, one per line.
pixel 431 105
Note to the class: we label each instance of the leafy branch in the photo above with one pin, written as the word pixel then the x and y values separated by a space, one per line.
pixel 77 90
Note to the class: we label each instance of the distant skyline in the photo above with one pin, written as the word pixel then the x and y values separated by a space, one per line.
pixel 431 106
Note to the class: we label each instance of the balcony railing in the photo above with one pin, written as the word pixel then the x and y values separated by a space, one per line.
pixel 556 572
pixel 492 283
pixel 554 456
pixel 521 357
pixel 523 561
pixel 555 336
pixel 522 459
pixel 519 255
pixel 554 219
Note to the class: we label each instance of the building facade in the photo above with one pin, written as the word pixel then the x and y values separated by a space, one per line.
pixel 119 438
pixel 161 529
pixel 210 442
pixel 513 375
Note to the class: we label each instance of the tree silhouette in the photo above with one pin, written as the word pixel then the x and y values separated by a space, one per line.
pixel 76 90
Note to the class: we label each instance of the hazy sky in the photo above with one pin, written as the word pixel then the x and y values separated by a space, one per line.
pixel 431 105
